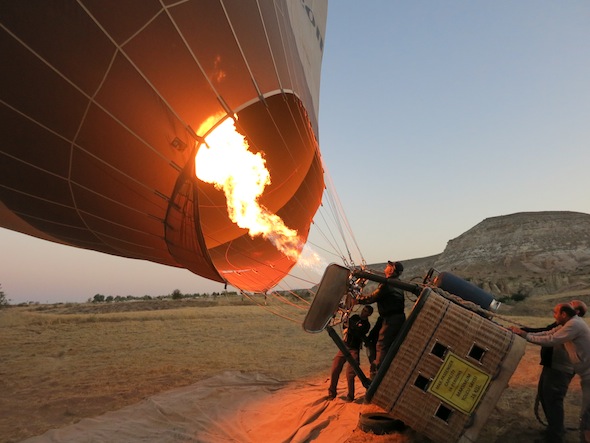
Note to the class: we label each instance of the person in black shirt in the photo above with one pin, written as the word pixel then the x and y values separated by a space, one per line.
pixel 371 345
pixel 354 335
pixel 555 378
pixel 391 305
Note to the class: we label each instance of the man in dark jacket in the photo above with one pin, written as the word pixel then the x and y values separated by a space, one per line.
pixel 371 345
pixel 556 375
pixel 390 304
pixel 354 335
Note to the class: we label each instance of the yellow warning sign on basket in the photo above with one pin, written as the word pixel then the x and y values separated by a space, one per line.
pixel 459 383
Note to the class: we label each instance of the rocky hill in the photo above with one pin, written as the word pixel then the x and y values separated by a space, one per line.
pixel 527 253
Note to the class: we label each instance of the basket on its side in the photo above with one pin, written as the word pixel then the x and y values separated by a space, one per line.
pixel 446 371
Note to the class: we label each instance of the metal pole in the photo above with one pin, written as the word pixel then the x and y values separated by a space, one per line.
pixel 396 283
pixel 349 358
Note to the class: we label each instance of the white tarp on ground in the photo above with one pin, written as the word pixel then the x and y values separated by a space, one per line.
pixel 229 407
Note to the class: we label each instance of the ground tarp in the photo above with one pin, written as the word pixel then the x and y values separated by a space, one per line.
pixel 229 407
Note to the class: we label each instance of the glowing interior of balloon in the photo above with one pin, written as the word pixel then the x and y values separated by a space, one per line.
pixel 225 161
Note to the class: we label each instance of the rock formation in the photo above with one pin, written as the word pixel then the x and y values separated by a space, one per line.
pixel 527 253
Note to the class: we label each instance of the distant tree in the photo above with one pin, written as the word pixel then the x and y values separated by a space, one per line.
pixel 3 300
pixel 98 298
pixel 176 294
pixel 109 299
pixel 519 296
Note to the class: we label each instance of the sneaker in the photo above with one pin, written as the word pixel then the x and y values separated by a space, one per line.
pixel 348 399
pixel 330 397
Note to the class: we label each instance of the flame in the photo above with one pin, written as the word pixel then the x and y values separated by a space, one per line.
pixel 226 162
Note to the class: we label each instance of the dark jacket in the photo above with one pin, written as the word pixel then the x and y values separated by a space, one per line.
pixel 546 351
pixel 354 335
pixel 390 300
pixel 373 335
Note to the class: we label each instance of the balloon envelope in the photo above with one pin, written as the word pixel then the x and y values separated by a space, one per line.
pixel 100 106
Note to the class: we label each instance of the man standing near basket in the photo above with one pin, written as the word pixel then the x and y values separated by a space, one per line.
pixel 555 378
pixel 391 305
pixel 574 334
pixel 354 335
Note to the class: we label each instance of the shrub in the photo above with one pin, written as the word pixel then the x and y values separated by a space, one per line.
pixel 3 299
pixel 519 296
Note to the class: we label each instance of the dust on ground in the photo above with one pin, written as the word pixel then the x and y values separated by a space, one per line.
pixel 66 363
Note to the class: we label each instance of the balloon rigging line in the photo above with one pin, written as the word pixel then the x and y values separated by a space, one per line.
pixel 341 215
pixel 92 100
pixel 296 277
pixel 284 300
pixel 333 243
pixel 301 299
pixel 337 251
pixel 121 50
pixel 318 246
pixel 267 308
pixel 293 80
pixel 272 56
pixel 330 204
pixel 244 59
pixel 82 211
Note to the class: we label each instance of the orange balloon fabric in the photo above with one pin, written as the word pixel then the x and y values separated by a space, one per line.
pixel 99 105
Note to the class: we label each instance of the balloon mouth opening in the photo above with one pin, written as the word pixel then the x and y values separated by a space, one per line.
pixel 224 159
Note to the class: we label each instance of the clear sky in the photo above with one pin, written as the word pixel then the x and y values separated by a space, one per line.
pixel 433 117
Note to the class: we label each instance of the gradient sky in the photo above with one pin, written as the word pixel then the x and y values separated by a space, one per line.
pixel 433 117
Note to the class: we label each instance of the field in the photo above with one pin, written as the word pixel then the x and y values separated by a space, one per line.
pixel 62 363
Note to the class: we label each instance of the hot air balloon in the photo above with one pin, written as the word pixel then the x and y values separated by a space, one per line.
pixel 105 105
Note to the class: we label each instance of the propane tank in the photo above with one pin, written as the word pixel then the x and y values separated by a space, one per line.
pixel 466 290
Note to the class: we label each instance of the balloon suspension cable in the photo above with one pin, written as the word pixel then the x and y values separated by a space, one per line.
pixel 340 219
pixel 278 304
pixel 335 232
pixel 348 303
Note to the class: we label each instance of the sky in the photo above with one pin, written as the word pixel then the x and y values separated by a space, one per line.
pixel 433 117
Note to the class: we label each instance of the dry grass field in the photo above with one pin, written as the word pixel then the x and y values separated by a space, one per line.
pixel 62 363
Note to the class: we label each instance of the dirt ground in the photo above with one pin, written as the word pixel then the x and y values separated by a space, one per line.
pixel 66 362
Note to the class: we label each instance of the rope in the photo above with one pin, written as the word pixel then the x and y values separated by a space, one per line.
pixel 475 307
pixel 340 218
pixel 250 297
pixel 465 303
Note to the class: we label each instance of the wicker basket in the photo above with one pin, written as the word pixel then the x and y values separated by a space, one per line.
pixel 447 369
